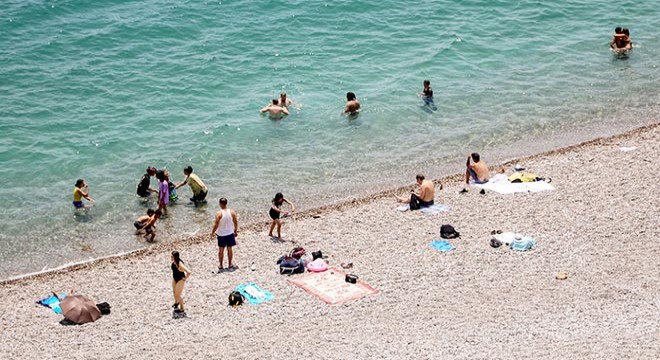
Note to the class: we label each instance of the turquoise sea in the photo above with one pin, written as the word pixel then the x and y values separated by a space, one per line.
pixel 101 90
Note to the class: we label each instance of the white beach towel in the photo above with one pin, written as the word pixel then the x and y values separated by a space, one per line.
pixel 434 209
pixel 500 184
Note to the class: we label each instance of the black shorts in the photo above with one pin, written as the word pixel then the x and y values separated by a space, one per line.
pixel 274 214
pixel 199 197
pixel 227 240
pixel 139 225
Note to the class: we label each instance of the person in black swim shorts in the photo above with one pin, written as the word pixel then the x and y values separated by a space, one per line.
pixel 276 211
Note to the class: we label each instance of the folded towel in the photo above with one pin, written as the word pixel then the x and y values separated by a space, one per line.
pixel 442 245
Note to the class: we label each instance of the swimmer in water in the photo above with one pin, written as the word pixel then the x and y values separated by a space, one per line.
pixel 352 105
pixel 275 112
pixel 621 40
pixel 283 100
pixel 427 95
pixel 81 190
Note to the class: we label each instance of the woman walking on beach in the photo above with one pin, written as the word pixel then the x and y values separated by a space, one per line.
pixel 163 191
pixel 180 273
pixel 275 212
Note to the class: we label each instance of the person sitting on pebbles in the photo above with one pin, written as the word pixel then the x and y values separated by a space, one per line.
pixel 424 198
pixel 476 169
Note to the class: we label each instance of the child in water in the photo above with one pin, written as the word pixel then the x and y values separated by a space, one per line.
pixel 275 212
pixel 81 190
pixel 427 95
pixel 163 191
pixel 148 223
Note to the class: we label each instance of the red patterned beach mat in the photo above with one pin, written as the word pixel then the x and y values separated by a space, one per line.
pixel 331 287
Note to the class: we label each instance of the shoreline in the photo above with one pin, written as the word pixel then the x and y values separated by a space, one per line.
pixel 339 205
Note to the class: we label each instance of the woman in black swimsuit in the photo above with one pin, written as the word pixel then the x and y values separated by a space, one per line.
pixel 275 212
pixel 180 273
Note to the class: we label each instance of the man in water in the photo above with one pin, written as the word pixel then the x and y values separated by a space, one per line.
pixel 196 184
pixel 275 111
pixel 621 40
pixel 225 230
pixel 476 169
pixel 424 198
pixel 283 101
pixel 352 105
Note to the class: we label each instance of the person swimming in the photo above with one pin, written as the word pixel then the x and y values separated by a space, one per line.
pixel 352 107
pixel 275 111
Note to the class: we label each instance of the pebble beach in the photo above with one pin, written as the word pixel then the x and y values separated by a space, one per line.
pixel 600 225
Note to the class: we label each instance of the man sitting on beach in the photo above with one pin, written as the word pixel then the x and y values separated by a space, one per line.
pixel 275 111
pixel 352 105
pixel 196 184
pixel 476 169
pixel 425 197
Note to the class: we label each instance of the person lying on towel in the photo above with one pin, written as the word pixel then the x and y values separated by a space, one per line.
pixel 425 197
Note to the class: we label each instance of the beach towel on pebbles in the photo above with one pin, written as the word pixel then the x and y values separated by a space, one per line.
pixel 254 294
pixel 52 302
pixel 331 286
pixel 500 184
pixel 442 245
pixel 430 210
pixel 516 241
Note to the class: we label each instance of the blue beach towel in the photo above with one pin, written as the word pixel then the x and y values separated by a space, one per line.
pixel 442 245
pixel 524 244
pixel 254 294
pixel 434 209
pixel 52 302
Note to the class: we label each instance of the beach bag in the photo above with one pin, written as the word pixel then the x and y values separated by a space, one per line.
pixel 448 232
pixel 297 252
pixel 236 299
pixel 290 265
pixel 317 255
pixel 104 308
pixel 414 203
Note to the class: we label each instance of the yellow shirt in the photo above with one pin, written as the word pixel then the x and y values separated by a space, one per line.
pixel 196 184
pixel 77 194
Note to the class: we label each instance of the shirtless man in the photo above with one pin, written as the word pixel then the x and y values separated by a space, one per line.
pixel 352 105
pixel 621 40
pixel 275 111
pixel 425 197
pixel 476 169
pixel 283 101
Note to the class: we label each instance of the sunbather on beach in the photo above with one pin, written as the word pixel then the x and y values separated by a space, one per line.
pixel 275 111
pixel 225 229
pixel 352 104
pixel 147 223
pixel 80 191
pixel 476 169
pixel 275 212
pixel 425 197
pixel 196 184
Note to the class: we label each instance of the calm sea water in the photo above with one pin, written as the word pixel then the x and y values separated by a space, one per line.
pixel 101 90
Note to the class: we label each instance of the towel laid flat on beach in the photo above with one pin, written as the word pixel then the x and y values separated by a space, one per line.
pixel 442 245
pixel 500 184
pixel 52 302
pixel 524 244
pixel 254 294
pixel 434 209
pixel 331 286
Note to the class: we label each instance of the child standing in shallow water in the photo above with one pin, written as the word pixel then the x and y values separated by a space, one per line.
pixel 163 191
pixel 81 190
pixel 275 212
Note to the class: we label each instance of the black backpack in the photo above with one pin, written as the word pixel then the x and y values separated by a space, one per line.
pixel 236 298
pixel 448 232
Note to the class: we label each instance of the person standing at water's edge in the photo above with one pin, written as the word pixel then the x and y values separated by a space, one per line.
pixel 352 104
pixel 225 229
pixel 80 191
pixel 196 184
pixel 180 274
pixel 275 212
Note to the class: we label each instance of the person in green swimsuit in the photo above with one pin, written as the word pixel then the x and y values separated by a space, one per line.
pixel 196 184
